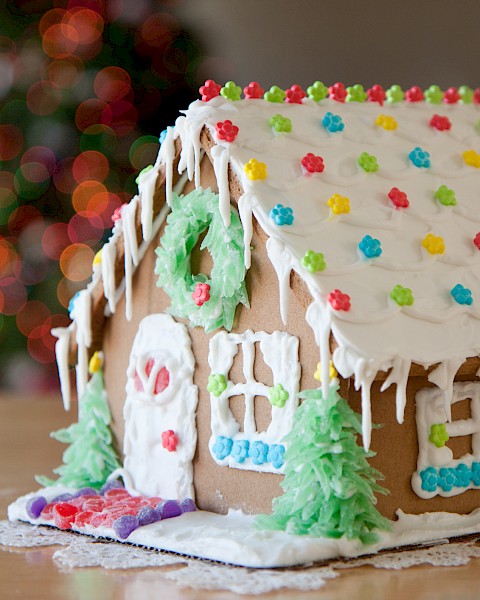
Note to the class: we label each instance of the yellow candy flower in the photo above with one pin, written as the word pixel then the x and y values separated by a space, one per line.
pixel 339 204
pixel 255 169
pixel 96 362
pixel 433 244
pixel 472 158
pixel 388 123
pixel 98 258
pixel 318 373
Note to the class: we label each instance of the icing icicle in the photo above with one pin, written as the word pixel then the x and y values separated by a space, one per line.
pixel 221 156
pixel 131 250
pixel 399 375
pixel 146 186
pixel 109 254
pixel 280 259
pixel 62 347
pixel 443 377
pixel 81 314
pixel 167 156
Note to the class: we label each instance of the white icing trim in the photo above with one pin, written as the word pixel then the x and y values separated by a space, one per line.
pixel 62 347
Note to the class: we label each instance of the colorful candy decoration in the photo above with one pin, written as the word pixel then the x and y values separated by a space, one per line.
pixel 281 124
pixel 253 91
pixel 258 452
pixel 451 96
pixel 434 95
pixel 368 162
pixel 338 300
pixel 398 198
pixel 210 90
pixel 317 92
pixel 471 158
pixel 333 123
pixel 274 94
pixel 332 371
pixel 441 123
pixel 401 295
pixel 231 91
pixel 314 262
pixel 255 169
pixel 294 95
pixel 420 158
pixel 476 96
pixel 278 395
pixel 370 247
pixel 226 130
pixel 312 163
pixel 446 196
pixel 142 172
pixel 414 94
pixel 201 294
pixel 466 94
pixel 281 215
pixel 395 94
pixel 339 204
pixel 438 435
pixel 337 92
pixel 97 259
pixel 169 440
pixel 476 240
pixel 446 478
pixel 434 244
pixel 356 93
pixel 461 294
pixel 376 94
pixel 240 450
pixel 217 384
pixel 96 362
pixel 222 447
pixel 386 122
pixel 117 213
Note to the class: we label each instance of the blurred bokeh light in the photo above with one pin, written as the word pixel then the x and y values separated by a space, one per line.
pixel 86 87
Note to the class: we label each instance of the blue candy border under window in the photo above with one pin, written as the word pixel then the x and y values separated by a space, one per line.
pixel 449 481
pixel 243 451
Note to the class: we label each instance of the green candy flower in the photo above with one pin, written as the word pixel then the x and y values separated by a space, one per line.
pixel 356 93
pixel 278 395
pixel 446 196
pixel 368 162
pixel 274 94
pixel 145 170
pixel 217 384
pixel 434 95
pixel 395 94
pixel 231 91
pixel 281 124
pixel 318 91
pixel 438 435
pixel 466 94
pixel 313 261
pixel 402 296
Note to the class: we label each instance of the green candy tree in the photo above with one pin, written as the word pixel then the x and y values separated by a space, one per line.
pixel 90 458
pixel 329 484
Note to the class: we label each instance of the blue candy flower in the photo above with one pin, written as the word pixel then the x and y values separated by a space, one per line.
pixel 420 158
pixel 475 473
pixel 461 294
pixel 333 123
pixel 240 450
pixel 71 304
pixel 258 453
pixel 371 247
pixel 222 447
pixel 281 215
pixel 276 455
pixel 163 135
pixel 446 479
pixel 429 479
pixel 462 475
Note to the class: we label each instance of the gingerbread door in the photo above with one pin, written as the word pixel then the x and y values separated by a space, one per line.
pixel 159 412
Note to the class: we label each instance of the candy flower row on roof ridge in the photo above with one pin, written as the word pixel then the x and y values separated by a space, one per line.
pixel 356 93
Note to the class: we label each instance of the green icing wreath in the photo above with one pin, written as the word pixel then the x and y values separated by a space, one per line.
pixel 191 215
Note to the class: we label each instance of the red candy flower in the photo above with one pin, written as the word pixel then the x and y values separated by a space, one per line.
pixel 64 514
pixel 161 383
pixel 398 198
pixel 253 90
pixel 376 94
pixel 226 130
pixel 476 241
pixel 169 440
pixel 440 123
pixel 414 94
pixel 201 294
pixel 210 90
pixel 337 92
pixel 339 300
pixel 294 95
pixel 476 96
pixel 451 96
pixel 117 213
pixel 312 163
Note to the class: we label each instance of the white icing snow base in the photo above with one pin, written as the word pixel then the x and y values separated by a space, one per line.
pixel 233 538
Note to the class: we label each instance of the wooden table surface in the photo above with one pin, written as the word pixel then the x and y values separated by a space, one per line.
pixel 26 449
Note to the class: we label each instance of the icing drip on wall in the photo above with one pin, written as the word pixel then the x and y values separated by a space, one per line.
pixel 146 184
pixel 62 347
pixel 109 255
pixel 81 314
pixel 131 249
pixel 443 377
pixel 281 261
pixel 221 157
pixel 245 207
pixel 166 156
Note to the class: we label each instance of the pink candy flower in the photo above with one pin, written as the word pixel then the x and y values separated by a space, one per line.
pixel 440 123
pixel 476 240
pixel 337 92
pixel 294 95
pixel 210 90
pixel 169 440
pixel 201 294
pixel 414 94
pixel 226 130
pixel 376 94
pixel 339 300
pixel 253 90
pixel 117 213
pixel 312 163
pixel 399 199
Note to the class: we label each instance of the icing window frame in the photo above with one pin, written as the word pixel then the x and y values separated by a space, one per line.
pixel 251 449
pixel 438 472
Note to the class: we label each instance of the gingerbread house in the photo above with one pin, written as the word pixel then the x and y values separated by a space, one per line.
pixel 288 241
